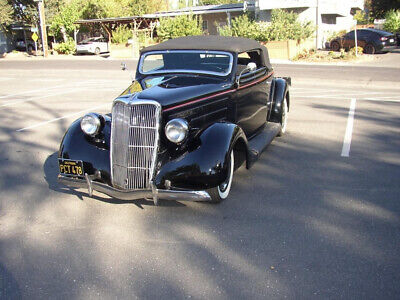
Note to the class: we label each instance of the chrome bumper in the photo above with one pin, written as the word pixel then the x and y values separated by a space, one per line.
pixel 154 193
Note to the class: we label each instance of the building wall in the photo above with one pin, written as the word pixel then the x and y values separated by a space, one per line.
pixel 332 16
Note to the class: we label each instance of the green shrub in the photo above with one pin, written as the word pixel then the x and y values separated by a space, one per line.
pixel 65 48
pixel 170 28
pixel 283 26
pixel 121 35
pixel 392 23
pixel 241 26
pixel 336 34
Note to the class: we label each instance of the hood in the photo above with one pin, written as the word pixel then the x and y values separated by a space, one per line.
pixel 175 89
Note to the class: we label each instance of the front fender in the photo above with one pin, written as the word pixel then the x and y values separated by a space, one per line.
pixel 206 164
pixel 281 90
pixel 94 152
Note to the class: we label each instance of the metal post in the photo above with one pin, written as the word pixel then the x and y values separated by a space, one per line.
pixel 355 39
pixel 317 25
pixel 42 27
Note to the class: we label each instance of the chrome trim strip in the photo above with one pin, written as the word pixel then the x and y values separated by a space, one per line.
pixel 142 57
pixel 137 194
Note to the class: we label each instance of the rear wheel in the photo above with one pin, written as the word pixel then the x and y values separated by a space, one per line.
pixel 335 46
pixel 369 49
pixel 284 117
pixel 221 192
pixel 97 51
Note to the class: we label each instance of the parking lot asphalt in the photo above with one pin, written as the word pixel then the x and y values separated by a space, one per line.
pixel 318 216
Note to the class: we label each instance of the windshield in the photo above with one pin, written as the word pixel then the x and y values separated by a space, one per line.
pixel 185 61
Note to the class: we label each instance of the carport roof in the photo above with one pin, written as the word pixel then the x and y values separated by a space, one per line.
pixel 121 20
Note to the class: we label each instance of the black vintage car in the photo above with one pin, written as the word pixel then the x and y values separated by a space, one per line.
pixel 198 109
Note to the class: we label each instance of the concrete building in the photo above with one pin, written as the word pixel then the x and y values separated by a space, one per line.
pixel 329 15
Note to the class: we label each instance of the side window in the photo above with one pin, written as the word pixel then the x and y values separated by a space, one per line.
pixel 250 56
pixel 349 35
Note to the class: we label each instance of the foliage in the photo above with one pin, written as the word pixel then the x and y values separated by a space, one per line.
pixel 286 26
pixel 64 21
pixel 241 26
pixel 6 12
pixel 65 48
pixel 352 51
pixel 283 26
pixel 216 2
pixel 380 7
pixel 170 28
pixel 121 35
pixel 336 34
pixel 361 17
pixel 392 23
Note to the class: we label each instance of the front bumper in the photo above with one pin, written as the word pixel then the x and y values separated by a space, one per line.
pixel 153 193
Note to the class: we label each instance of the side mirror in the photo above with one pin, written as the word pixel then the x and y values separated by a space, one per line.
pixel 123 66
pixel 251 67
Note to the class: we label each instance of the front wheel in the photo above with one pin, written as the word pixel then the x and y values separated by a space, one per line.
pixel 97 51
pixel 284 117
pixel 221 192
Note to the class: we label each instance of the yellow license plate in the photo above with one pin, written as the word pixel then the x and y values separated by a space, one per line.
pixel 71 167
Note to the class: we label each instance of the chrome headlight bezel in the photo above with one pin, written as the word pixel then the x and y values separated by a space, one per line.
pixel 91 124
pixel 176 130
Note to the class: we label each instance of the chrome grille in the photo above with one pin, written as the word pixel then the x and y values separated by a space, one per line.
pixel 134 142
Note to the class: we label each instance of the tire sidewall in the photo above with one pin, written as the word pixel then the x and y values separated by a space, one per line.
pixel 224 194
pixel 284 117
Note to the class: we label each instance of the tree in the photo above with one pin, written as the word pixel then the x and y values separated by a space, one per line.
pixel 6 12
pixel 392 23
pixel 170 28
pixel 216 2
pixel 380 7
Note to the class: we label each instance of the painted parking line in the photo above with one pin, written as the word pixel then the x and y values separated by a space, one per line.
pixel 47 89
pixel 6 78
pixel 63 117
pixel 349 129
pixel 69 91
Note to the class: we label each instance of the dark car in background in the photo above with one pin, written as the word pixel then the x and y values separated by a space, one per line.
pixel 371 40
pixel 198 109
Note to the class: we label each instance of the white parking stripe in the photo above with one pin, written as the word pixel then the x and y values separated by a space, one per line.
pixel 349 129
pixel 60 118
pixel 69 91
pixel 5 78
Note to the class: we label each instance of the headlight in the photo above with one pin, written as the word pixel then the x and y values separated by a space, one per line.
pixel 90 124
pixel 176 130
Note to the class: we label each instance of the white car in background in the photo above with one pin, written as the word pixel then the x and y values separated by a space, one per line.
pixel 94 45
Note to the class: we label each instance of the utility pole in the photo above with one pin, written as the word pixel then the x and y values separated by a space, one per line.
pixel 42 26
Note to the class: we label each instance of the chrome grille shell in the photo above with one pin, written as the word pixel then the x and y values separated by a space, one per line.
pixel 134 143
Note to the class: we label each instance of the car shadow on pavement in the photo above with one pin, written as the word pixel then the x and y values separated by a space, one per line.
pixel 50 169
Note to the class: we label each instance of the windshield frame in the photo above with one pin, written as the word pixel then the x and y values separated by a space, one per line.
pixel 189 71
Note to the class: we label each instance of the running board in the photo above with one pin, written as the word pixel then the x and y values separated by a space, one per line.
pixel 260 142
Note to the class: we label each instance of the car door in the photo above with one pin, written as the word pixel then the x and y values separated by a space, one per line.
pixel 348 40
pixel 252 93
pixel 362 38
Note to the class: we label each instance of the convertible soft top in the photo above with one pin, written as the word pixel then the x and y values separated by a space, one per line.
pixel 212 42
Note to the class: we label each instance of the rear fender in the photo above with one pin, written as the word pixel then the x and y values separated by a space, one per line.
pixel 281 90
